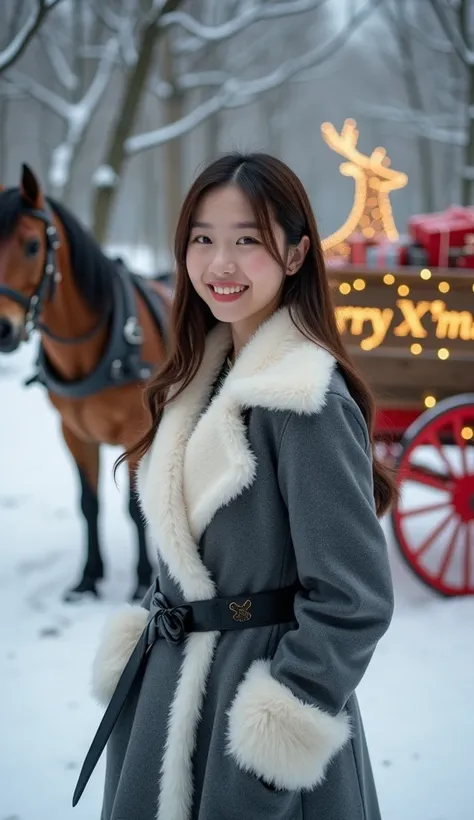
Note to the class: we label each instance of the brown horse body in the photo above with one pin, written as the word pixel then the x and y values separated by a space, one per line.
pixel 75 317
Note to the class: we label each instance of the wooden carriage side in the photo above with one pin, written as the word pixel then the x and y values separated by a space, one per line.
pixel 411 332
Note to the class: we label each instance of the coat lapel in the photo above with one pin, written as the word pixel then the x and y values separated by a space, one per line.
pixel 201 458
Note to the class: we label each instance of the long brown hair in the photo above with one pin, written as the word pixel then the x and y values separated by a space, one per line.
pixel 274 192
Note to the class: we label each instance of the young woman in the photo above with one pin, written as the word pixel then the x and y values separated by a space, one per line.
pixel 259 483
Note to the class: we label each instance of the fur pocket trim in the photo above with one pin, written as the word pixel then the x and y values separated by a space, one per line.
pixel 274 735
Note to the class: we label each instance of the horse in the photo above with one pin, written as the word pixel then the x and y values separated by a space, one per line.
pixel 102 333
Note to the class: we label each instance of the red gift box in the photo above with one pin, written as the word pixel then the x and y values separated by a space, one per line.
pixel 465 261
pixel 438 232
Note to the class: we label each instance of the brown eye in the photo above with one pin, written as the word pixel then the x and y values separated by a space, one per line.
pixel 32 247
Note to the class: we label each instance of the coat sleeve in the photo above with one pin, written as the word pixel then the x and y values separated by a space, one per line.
pixel 288 719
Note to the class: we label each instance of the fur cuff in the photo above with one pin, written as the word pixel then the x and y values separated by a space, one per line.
pixel 120 636
pixel 279 738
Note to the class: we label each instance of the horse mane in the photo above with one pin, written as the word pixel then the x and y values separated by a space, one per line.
pixel 92 271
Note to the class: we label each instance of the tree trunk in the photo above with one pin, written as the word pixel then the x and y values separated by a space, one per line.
pixel 171 152
pixel 115 158
pixel 467 189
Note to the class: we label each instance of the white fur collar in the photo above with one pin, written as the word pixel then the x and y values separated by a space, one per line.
pixel 200 461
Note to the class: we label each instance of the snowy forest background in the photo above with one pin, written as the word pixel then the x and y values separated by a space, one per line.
pixel 117 103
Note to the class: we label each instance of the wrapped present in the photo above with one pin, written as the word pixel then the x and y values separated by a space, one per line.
pixel 358 247
pixel 442 231
pixel 465 261
pixel 384 254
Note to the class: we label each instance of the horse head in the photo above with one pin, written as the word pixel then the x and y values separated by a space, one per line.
pixel 27 258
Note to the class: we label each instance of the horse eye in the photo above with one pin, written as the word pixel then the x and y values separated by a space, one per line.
pixel 32 247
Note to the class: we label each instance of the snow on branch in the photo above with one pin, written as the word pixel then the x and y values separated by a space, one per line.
pixel 19 43
pixel 235 92
pixel 57 60
pixel 441 129
pixel 252 14
pixel 444 14
pixel 76 115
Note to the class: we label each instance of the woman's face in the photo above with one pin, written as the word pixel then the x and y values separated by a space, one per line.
pixel 228 264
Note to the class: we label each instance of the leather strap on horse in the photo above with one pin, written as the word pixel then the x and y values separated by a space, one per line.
pixel 173 624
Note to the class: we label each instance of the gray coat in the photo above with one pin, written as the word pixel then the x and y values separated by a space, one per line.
pixel 261 722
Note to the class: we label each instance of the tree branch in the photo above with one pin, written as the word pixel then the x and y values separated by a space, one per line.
pixel 57 60
pixel 19 43
pixel 235 93
pixel 453 33
pixel 249 16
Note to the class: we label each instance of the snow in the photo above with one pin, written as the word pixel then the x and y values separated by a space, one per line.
pixel 416 697
pixel 104 177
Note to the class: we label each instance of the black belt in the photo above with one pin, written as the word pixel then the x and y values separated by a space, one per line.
pixel 173 624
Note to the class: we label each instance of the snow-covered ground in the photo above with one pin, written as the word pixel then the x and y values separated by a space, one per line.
pixel 416 697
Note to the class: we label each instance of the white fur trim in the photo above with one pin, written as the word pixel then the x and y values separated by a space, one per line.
pixel 176 792
pixel 119 638
pixel 199 461
pixel 276 736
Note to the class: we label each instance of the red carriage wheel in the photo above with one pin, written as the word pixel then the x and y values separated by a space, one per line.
pixel 433 520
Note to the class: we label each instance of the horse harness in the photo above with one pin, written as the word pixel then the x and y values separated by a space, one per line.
pixel 122 362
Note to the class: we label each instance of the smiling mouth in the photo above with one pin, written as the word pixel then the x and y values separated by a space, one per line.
pixel 226 290
pixel 227 293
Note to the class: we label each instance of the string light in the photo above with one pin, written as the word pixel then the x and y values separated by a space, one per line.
pixel 344 288
pixel 473 287
pixel 358 284
pixel 389 279
pixel 366 344
pixel 371 211
pixel 430 401
pixel 444 287
pixel 467 433
pixel 403 290
pixel 443 353
pixel 416 349
pixel 426 274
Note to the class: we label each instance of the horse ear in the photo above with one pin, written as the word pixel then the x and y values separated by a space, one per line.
pixel 30 188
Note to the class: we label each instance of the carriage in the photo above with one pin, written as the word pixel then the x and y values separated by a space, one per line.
pixel 411 333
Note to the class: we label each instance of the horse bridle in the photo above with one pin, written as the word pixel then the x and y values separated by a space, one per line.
pixel 46 288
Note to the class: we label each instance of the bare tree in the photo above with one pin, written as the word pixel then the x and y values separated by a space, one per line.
pixel 232 92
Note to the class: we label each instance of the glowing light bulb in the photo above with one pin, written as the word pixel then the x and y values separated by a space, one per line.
pixel 403 290
pixel 443 287
pixel 366 344
pixel 389 279
pixel 425 274
pixel 443 353
pixel 368 232
pixel 416 349
pixel 344 288
pixel 358 284
pixel 467 433
pixel 430 401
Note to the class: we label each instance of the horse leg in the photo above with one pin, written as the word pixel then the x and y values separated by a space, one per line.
pixel 86 457
pixel 144 568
